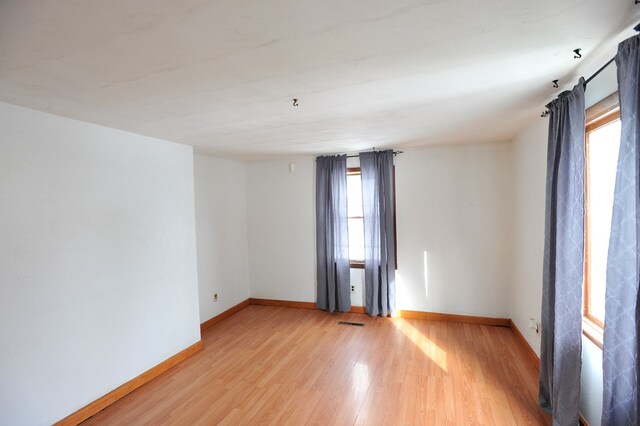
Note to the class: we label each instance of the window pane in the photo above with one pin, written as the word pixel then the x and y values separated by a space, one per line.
pixel 354 195
pixel 604 144
pixel 356 239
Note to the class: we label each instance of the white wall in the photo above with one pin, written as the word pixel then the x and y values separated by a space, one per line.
pixel 529 179
pixel 281 227
pixel 97 261
pixel 453 202
pixel 221 234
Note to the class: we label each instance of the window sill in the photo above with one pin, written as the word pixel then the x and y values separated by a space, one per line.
pixel 592 331
pixel 360 265
pixel 356 265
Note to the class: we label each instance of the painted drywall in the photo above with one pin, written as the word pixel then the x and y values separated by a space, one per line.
pixel 453 202
pixel 454 227
pixel 97 265
pixel 221 234
pixel 281 229
pixel 529 180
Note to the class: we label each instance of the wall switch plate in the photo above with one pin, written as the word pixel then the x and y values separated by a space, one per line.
pixel 215 297
pixel 532 323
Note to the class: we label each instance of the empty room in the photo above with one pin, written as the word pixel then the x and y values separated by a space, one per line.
pixel 316 212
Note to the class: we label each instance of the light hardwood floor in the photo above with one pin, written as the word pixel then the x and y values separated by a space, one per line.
pixel 271 365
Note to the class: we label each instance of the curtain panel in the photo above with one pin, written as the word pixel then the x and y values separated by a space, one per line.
pixel 561 345
pixel 379 234
pixel 332 238
pixel 620 353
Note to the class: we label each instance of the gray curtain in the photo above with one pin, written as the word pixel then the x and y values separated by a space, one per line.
pixel 332 238
pixel 560 350
pixel 620 357
pixel 379 234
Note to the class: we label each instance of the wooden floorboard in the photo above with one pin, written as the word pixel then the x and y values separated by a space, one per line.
pixel 276 365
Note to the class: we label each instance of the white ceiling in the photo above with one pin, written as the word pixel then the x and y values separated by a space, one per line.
pixel 220 74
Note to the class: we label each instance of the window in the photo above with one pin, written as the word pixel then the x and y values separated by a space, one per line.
pixel 356 221
pixel 601 158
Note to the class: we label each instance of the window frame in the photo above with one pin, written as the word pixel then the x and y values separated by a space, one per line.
pixel 599 115
pixel 356 264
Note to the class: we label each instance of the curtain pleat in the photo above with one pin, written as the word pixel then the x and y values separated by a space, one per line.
pixel 379 234
pixel 332 238
pixel 620 353
pixel 561 345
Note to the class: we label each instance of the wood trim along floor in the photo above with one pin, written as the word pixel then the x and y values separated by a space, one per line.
pixel 294 304
pixel 434 316
pixel 133 384
pixel 283 303
pixel 525 345
pixel 108 399
pixel 226 314
pixel 534 358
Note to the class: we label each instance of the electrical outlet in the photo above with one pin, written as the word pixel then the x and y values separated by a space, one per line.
pixel 353 288
pixel 215 297
pixel 532 323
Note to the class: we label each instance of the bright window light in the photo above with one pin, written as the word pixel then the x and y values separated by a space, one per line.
pixel 602 153
pixel 356 222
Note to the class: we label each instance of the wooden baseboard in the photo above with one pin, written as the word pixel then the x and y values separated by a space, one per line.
pixel 503 322
pixel 300 305
pixel 133 384
pixel 435 316
pixel 283 303
pixel 534 358
pixel 358 310
pixel 226 314
pixel 525 345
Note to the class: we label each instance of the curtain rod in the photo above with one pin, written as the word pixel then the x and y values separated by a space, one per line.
pixel 545 113
pixel 595 74
pixel 357 155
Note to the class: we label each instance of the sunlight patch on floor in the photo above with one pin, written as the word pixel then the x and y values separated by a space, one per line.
pixel 426 345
